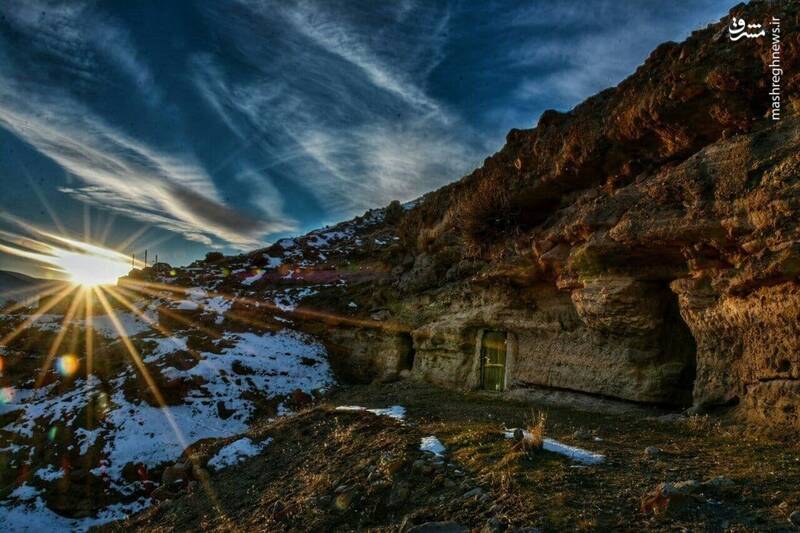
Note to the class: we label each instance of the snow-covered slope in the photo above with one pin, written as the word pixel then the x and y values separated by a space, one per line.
pixel 203 351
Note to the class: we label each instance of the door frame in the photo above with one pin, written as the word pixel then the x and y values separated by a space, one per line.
pixel 511 353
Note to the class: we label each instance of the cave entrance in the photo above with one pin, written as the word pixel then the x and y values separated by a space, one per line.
pixel 406 352
pixel 493 360
pixel 678 345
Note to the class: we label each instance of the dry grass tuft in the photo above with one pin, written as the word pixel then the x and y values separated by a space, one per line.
pixel 703 424
pixel 534 439
pixel 483 214
pixel 529 440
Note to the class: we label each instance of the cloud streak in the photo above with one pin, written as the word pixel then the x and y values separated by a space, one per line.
pixel 603 49
pixel 169 189
pixel 348 114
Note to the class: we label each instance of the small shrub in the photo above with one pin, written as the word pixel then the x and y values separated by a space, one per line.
pixel 214 257
pixel 393 213
pixel 484 214
pixel 531 439
pixel 703 424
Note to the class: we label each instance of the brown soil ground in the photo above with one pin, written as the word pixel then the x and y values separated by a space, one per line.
pixel 331 470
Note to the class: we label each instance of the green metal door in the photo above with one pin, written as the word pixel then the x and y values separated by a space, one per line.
pixel 493 360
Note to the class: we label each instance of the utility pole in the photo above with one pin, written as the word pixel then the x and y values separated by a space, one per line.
pixel 145 258
pixel 156 261
pixel 133 260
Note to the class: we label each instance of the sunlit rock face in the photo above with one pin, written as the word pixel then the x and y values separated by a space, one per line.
pixel 550 345
pixel 709 290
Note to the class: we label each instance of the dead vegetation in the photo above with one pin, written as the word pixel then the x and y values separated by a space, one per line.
pixel 484 215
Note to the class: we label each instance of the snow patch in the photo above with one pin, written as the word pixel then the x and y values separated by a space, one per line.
pixel 32 515
pixel 187 305
pixel 432 445
pixel 219 305
pixel 277 364
pixel 49 473
pixel 287 244
pixel 131 324
pixel 289 299
pixel 252 279
pixel 273 262
pixel 24 492
pixel 196 293
pixel 236 452
pixel 134 431
pixel 573 452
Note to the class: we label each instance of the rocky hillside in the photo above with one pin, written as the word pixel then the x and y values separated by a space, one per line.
pixel 643 246
pixel 102 391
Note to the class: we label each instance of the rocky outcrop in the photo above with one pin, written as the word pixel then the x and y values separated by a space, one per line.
pixel 685 289
pixel 646 245
pixel 549 344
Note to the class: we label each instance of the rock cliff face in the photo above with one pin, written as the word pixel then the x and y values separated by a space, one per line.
pixel 714 322
pixel 643 246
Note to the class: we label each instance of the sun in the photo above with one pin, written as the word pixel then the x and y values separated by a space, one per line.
pixel 80 262
pixel 90 270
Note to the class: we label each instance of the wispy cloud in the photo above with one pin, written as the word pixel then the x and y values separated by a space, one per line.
pixel 169 189
pixel 77 39
pixel 350 44
pixel 570 55
pixel 345 111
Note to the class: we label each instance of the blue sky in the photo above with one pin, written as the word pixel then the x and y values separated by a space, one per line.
pixel 185 126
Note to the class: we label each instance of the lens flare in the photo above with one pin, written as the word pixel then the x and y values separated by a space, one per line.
pixel 67 365
pixel 6 395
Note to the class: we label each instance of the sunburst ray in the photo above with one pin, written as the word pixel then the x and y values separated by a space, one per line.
pixel 55 300
pixel 25 290
pixel 54 347
pixel 301 312
pixel 33 299
pixel 166 332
